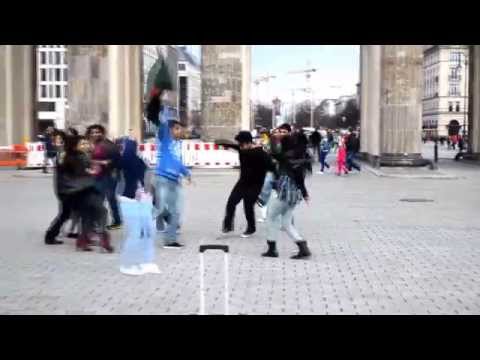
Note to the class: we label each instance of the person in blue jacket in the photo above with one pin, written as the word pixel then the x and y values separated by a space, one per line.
pixel 169 172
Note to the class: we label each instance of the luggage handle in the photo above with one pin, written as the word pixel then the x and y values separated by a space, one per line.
pixel 204 248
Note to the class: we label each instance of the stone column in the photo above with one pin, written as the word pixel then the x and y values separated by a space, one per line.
pixel 106 88
pixel 370 59
pixel 225 90
pixel 393 99
pixel 125 93
pixel 88 87
pixel 474 104
pixel 17 93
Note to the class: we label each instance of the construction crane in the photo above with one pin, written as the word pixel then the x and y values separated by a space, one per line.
pixel 308 74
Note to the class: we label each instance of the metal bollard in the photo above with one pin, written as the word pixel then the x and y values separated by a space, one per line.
pixel 435 151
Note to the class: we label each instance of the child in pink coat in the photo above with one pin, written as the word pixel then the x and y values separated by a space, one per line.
pixel 341 157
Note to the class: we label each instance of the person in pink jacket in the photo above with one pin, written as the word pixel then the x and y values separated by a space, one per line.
pixel 341 157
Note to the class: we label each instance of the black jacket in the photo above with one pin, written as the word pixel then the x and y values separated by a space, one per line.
pixel 254 164
pixel 353 144
pixel 315 138
pixel 71 176
pixel 294 161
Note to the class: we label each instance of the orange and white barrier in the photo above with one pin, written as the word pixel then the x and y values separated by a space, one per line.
pixel 196 154
pixel 209 155
pixel 148 153
pixel 36 155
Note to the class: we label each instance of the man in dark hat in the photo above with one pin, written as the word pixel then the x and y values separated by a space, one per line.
pixel 254 165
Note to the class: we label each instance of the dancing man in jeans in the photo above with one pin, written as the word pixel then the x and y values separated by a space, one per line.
pixel 169 173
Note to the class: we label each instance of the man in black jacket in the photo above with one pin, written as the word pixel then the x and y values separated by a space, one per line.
pixel 254 165
pixel 353 147
pixel 315 140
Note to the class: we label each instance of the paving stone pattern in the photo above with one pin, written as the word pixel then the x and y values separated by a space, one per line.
pixel 372 253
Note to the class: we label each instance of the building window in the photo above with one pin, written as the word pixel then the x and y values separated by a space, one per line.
pixel 57 75
pixel 182 67
pixel 65 92
pixel 57 57
pixel 65 74
pixel 43 75
pixel 454 90
pixel 43 57
pixel 450 106
pixel 457 106
pixel 43 91
pixel 50 57
pixel 455 58
pixel 58 93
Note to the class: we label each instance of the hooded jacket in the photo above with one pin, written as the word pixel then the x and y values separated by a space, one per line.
pixel 169 151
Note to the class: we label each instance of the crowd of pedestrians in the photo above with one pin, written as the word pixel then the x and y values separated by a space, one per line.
pixel 90 168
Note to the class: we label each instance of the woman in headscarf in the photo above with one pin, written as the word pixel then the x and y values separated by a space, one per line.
pixel 133 168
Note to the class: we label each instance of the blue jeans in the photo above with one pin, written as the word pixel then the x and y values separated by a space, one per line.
pixel 280 215
pixel 351 161
pixel 323 158
pixel 139 245
pixel 168 194
pixel 107 186
pixel 267 188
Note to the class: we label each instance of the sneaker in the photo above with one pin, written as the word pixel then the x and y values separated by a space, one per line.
pixel 261 220
pixel 247 234
pixel 174 245
pixel 131 270
pixel 114 227
pixel 320 172
pixel 150 268
pixel 72 236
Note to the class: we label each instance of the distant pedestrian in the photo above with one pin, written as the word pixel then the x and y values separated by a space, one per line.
pixel 352 147
pixel 315 139
pixel 341 157
pixel 324 151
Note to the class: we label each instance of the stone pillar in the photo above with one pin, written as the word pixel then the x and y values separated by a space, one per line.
pixel 88 89
pixel 392 104
pixel 370 59
pixel 105 84
pixel 474 104
pixel 17 93
pixel 225 90
pixel 125 96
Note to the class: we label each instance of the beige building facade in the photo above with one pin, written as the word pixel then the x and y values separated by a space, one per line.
pixel 445 88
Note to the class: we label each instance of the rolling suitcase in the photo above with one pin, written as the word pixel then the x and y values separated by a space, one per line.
pixel 202 250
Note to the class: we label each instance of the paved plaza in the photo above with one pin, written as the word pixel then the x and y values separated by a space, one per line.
pixel 373 252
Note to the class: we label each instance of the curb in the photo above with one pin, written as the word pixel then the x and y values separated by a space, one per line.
pixel 380 173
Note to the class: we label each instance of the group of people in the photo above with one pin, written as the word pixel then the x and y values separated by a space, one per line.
pixel 272 175
pixel 86 175
pixel 88 169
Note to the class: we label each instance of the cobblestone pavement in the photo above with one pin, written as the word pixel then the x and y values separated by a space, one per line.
pixel 373 254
